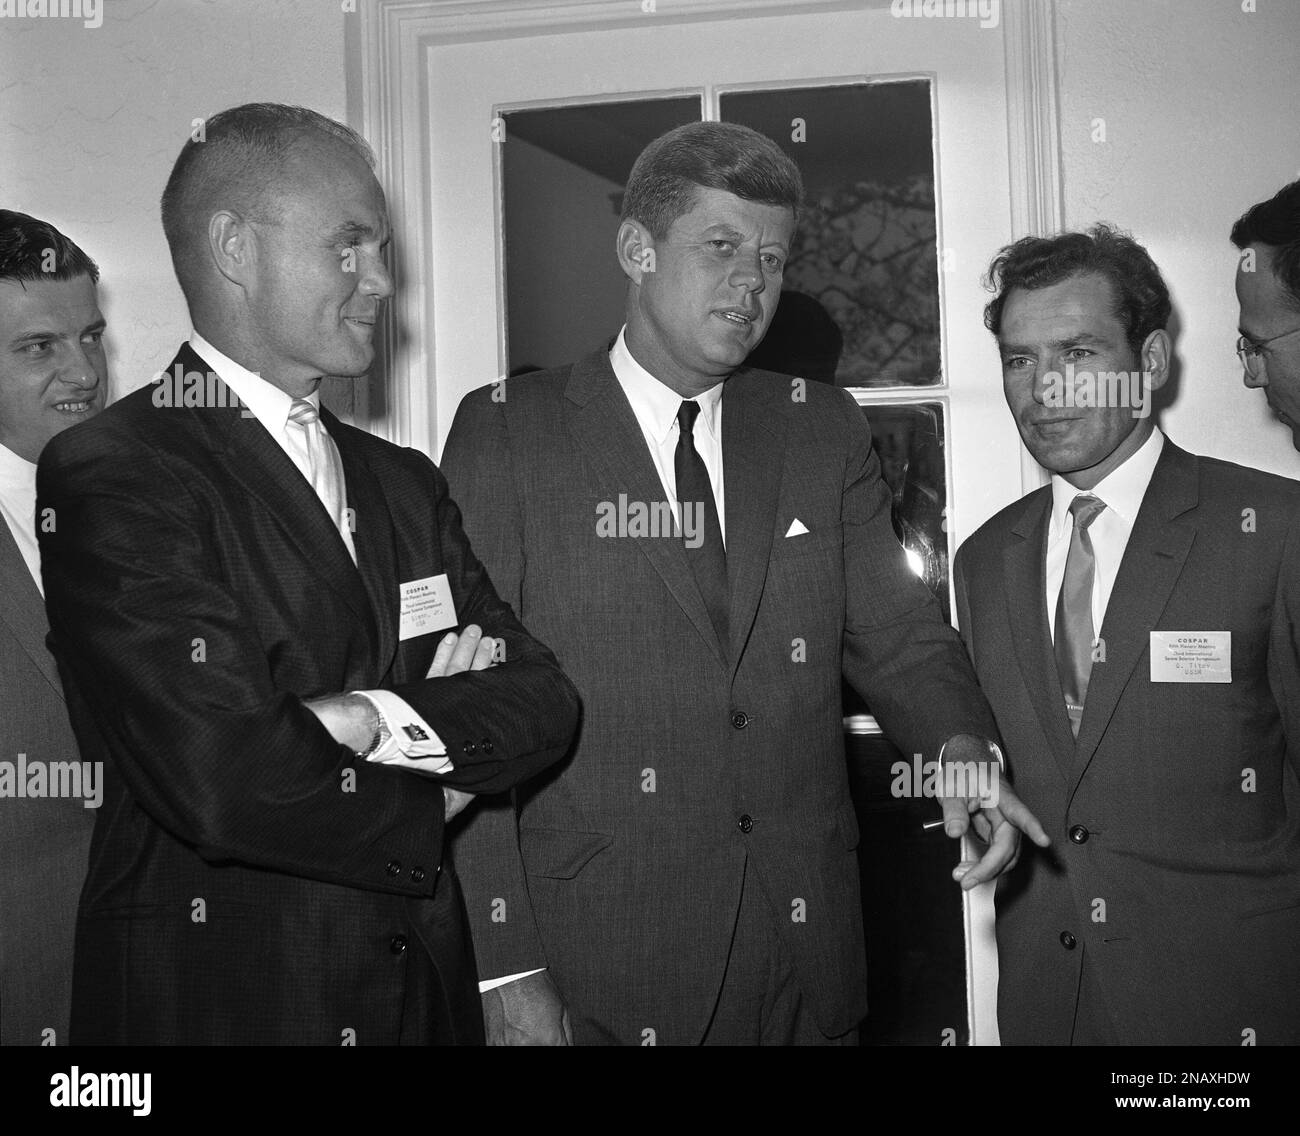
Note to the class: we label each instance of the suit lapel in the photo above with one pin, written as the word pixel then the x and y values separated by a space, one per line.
pixel 22 609
pixel 753 452
pixel 374 537
pixel 602 423
pixel 1024 569
pixel 263 470
pixel 1153 561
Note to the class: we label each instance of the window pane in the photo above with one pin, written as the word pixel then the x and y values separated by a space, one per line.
pixel 865 261
pixel 563 171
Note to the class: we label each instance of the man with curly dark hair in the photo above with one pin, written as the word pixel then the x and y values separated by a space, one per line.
pixel 1133 627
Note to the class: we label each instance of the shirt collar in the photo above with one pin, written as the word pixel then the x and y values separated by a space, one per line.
pixel 655 404
pixel 16 471
pixel 265 401
pixel 1122 489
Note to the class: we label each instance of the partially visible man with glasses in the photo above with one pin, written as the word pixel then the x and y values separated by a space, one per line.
pixel 1268 291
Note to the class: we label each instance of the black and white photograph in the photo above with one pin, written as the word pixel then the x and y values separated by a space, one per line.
pixel 655 523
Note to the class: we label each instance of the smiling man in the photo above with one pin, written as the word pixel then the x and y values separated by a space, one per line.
pixel 1133 625
pixel 689 876
pixel 52 375
pixel 1268 292
pixel 248 601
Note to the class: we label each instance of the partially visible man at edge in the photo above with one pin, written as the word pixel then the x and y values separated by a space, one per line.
pixel 52 374
pixel 1268 294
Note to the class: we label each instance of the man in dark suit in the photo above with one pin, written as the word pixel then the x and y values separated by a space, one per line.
pixel 52 374
pixel 1268 294
pixel 689 874
pixel 1134 626
pixel 247 600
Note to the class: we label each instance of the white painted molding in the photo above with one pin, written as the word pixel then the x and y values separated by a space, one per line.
pixel 387 59
pixel 1033 139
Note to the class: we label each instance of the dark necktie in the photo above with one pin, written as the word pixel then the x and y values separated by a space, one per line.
pixel 700 527
pixel 1075 634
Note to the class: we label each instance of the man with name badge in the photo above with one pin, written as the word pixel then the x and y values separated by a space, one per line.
pixel 1134 627
pixel 249 602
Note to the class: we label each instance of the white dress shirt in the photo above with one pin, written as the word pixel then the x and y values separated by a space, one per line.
pixel 412 742
pixel 655 406
pixel 1122 491
pixel 18 506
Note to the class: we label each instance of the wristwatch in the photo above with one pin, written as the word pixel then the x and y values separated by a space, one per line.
pixel 381 735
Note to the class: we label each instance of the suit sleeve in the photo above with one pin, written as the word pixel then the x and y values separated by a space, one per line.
pixel 485 839
pixel 169 665
pixel 899 654
pixel 525 700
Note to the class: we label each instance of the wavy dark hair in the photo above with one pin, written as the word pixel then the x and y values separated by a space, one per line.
pixel 1276 223
pixel 25 244
pixel 715 155
pixel 1141 298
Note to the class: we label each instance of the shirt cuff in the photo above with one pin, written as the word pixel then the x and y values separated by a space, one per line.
pixel 411 743
pixel 493 983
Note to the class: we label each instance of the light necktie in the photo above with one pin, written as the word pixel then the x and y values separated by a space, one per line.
pixel 1075 634
pixel 325 469
pixel 700 525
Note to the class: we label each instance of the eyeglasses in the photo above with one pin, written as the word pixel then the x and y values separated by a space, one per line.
pixel 1251 351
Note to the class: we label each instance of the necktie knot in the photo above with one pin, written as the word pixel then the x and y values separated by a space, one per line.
pixel 303 412
pixel 1085 509
pixel 687 413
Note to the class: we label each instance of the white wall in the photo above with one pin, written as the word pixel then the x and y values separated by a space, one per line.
pixel 91 120
pixel 1199 100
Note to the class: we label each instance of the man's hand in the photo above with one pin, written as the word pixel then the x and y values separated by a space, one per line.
pixel 471 651
pixel 973 791
pixel 528 1011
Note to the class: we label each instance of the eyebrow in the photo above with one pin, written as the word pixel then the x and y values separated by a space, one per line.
pixel 1083 338
pixel 352 229
pixel 38 334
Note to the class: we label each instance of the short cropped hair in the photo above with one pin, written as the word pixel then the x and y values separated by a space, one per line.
pixel 235 162
pixel 713 155
pixel 31 249
pixel 1276 223
pixel 1141 298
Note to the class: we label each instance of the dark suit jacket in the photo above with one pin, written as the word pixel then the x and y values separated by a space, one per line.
pixel 1179 807
pixel 695 756
pixel 250 882
pixel 43 840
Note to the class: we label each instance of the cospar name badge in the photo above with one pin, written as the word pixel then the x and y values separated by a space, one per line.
pixel 1191 656
pixel 427 607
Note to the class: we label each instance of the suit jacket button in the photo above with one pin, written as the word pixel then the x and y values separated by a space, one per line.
pixel 1079 834
pixel 745 823
pixel 417 875
pixel 469 748
pixel 1067 940
pixel 393 867
pixel 486 745
pixel 397 944
pixel 739 719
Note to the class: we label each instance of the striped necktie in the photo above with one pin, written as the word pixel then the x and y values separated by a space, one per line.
pixel 1075 634
pixel 324 467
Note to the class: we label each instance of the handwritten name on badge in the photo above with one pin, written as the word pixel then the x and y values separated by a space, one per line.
pixel 1191 656
pixel 427 607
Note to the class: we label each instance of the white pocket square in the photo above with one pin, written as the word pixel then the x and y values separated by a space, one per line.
pixel 797 528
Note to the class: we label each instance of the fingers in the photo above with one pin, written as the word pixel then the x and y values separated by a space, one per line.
pixel 1013 808
pixel 462 654
pixel 469 651
pixel 485 654
pixel 442 656
pixel 1000 855
pixel 956 817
